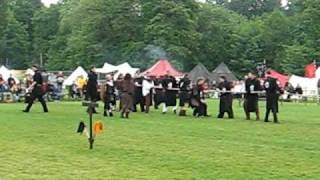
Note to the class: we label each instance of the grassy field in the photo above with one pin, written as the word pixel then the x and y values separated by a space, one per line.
pixel 156 146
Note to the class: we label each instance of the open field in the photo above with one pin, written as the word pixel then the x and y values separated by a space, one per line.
pixel 156 146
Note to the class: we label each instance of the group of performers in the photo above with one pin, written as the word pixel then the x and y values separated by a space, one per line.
pixel 145 91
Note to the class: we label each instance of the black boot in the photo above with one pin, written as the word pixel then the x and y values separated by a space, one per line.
pixel 182 112
pixel 110 114
pixel 127 115
pixel 275 118
pixel 122 115
pixel 105 114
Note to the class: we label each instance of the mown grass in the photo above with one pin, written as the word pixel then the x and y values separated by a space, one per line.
pixel 156 146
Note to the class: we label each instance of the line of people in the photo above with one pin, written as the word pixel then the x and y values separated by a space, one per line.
pixel 145 91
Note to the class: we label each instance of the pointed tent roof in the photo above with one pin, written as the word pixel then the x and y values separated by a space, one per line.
pixel 162 68
pixel 223 70
pixel 124 69
pixel 74 75
pixel 107 68
pixel 200 71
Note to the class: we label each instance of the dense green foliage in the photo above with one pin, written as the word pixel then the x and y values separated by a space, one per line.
pixel 84 32
pixel 156 146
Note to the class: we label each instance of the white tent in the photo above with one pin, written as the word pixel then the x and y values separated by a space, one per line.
pixel 318 73
pixel 74 76
pixel 124 69
pixel 308 85
pixel 6 74
pixel 107 68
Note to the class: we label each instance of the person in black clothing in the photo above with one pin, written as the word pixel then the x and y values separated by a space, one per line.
pixel 37 92
pixel 108 96
pixel 92 86
pixel 11 81
pixel 138 97
pixel 252 85
pixel 272 94
pixel 158 93
pixel 168 84
pixel 197 101
pixel 184 94
pixel 225 98
pixel 299 90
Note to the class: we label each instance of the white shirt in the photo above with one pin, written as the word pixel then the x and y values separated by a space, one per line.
pixel 146 87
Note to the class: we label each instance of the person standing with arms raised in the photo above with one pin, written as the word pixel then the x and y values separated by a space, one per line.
pixel 36 90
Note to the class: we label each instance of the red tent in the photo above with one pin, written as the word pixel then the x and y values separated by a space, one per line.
pixel 283 79
pixel 310 70
pixel 162 68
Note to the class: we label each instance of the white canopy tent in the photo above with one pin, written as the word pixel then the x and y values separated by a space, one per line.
pixel 107 68
pixel 6 74
pixel 75 75
pixel 318 73
pixel 124 69
pixel 308 85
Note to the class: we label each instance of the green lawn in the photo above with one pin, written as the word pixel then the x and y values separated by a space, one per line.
pixel 156 146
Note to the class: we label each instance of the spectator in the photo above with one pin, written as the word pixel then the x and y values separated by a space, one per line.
pixel 299 90
pixel 60 79
pixel 2 84
pixel 11 81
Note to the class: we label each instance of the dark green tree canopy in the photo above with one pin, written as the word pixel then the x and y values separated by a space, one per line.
pixel 240 33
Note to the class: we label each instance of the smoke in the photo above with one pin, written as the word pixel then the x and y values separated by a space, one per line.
pixel 155 52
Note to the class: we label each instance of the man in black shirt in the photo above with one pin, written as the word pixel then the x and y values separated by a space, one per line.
pixel 272 95
pixel 225 98
pixel 138 97
pixel 252 86
pixel 184 94
pixel 37 92
pixel 169 84
pixel 92 86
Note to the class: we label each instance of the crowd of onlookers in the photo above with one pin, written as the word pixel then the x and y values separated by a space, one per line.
pixel 53 89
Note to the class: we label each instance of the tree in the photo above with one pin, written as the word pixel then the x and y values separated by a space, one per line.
pixel 252 8
pixel 171 25
pixel 14 43
pixel 45 27
pixel 217 26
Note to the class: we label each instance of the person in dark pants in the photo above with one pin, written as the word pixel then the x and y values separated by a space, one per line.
pixel 184 94
pixel 108 96
pixel 252 86
pixel 92 86
pixel 158 93
pixel 197 100
pixel 169 84
pixel 225 98
pixel 36 92
pixel 138 96
pixel 272 94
